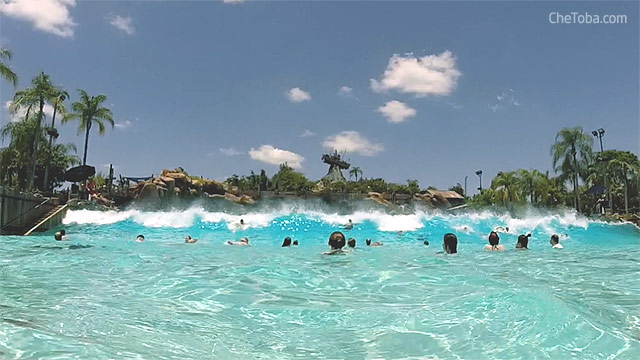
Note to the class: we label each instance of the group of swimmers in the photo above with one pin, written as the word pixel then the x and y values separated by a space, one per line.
pixel 337 241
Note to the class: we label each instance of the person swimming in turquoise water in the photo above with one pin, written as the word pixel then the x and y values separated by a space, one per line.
pixel 190 240
pixel 351 243
pixel 295 243
pixel 140 238
pixel 336 242
pixel 555 242
pixel 243 242
pixel 349 225
pixel 494 243
pixel 450 243
pixel 374 244
pixel 523 242
pixel 287 242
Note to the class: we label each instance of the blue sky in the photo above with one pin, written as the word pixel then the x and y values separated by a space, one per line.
pixel 200 84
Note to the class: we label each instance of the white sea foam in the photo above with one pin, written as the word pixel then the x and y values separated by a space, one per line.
pixel 465 222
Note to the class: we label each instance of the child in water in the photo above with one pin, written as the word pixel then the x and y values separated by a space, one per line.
pixel 494 243
pixel 336 242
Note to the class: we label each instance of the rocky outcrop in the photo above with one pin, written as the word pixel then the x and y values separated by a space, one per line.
pixel 177 183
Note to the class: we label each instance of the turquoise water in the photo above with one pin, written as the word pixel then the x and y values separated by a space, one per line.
pixel 163 299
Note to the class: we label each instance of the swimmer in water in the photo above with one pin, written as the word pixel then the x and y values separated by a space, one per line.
pixel 494 243
pixel 450 243
pixel 351 243
pixel 243 242
pixel 369 243
pixel 190 240
pixel 555 242
pixel 336 242
pixel 295 242
pixel 60 235
pixel 349 225
pixel 426 243
pixel 287 242
pixel 140 238
pixel 523 242
pixel 504 229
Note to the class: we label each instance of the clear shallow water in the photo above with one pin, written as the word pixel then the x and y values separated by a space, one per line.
pixel 163 299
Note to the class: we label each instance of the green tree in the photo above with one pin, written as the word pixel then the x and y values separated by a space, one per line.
pixel 14 159
pixel 623 165
pixel 572 153
pixel 40 93
pixel 506 186
pixel 530 183
pixel 59 96
pixel 414 186
pixel 287 179
pixel 89 110
pixel 355 171
pixel 5 70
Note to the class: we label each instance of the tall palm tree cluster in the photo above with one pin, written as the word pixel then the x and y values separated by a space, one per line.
pixel 578 166
pixel 30 161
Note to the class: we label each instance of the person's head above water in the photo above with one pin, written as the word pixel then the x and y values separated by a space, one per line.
pixel 494 239
pixel 140 238
pixel 287 242
pixel 189 240
pixel 295 242
pixel 523 242
pixel 58 236
pixel 337 240
pixel 555 239
pixel 63 232
pixel 450 243
pixel 244 240
pixel 241 221
pixel 351 242
pixel 426 243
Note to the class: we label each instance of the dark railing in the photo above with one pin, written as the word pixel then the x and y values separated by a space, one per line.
pixel 24 213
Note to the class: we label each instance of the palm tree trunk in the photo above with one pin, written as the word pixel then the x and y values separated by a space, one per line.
pixel 575 182
pixel 86 143
pixel 626 192
pixel 34 155
pixel 46 170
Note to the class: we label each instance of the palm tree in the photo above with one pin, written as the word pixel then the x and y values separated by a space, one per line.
pixel 507 187
pixel 41 92
pixel 623 167
pixel 58 100
pixel 89 110
pixel 572 154
pixel 355 171
pixel 5 70
pixel 530 182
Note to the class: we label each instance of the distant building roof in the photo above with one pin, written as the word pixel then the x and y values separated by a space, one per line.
pixel 447 194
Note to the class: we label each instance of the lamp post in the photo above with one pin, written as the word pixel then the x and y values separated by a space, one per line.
pixel 465 185
pixel 479 173
pixel 599 134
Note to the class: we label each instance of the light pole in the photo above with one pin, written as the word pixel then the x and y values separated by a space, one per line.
pixel 479 173
pixel 465 185
pixel 599 134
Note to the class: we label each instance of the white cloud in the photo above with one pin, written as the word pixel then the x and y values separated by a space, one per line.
pixel 428 75
pixel 22 112
pixel 122 23
pixel 307 133
pixel 229 151
pixel 123 125
pixel 506 98
pixel 396 111
pixel 297 95
pixel 352 141
pixel 50 16
pixel 274 156
pixel 346 92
